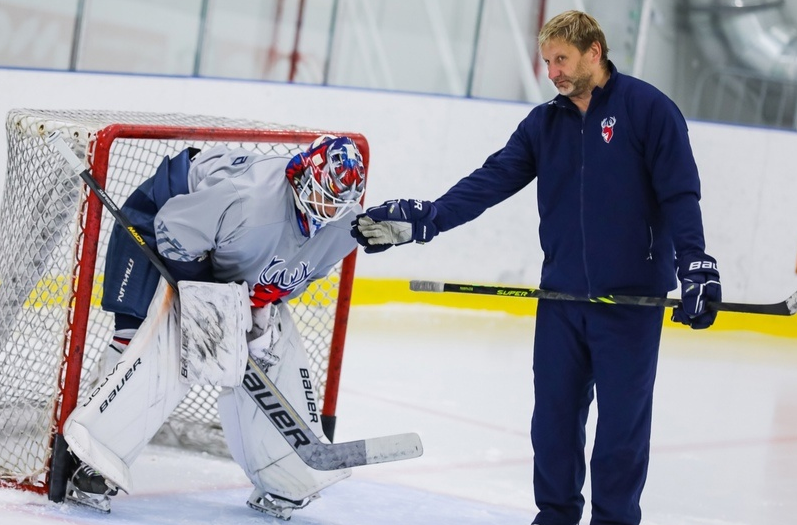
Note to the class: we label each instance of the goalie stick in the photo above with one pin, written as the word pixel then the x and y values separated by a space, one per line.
pixel 315 453
pixel 785 307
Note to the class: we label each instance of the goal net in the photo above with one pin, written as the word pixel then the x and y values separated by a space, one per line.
pixel 52 256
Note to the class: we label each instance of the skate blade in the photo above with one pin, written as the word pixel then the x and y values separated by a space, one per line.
pixel 283 513
pixel 278 507
pixel 96 502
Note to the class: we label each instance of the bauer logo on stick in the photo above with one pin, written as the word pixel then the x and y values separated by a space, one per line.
pixel 288 426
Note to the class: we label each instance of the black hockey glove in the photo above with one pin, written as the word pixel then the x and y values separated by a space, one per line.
pixel 700 284
pixel 393 223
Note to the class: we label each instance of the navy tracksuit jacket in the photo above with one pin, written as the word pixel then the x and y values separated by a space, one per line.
pixel 617 192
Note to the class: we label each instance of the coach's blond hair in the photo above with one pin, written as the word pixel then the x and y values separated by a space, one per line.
pixel 577 29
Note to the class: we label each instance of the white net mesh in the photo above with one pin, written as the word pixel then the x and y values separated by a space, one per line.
pixel 47 242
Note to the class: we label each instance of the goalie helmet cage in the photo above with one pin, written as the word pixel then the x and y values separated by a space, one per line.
pixel 54 234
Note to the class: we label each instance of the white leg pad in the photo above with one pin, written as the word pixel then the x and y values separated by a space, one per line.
pixel 111 428
pixel 268 460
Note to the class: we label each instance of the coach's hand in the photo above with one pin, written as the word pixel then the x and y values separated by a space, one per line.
pixel 700 284
pixel 393 223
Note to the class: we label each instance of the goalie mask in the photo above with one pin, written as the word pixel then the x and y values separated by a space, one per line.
pixel 328 179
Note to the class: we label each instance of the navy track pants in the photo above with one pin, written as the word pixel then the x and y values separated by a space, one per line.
pixel 583 350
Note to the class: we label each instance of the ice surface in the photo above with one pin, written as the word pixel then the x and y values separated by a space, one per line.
pixel 724 447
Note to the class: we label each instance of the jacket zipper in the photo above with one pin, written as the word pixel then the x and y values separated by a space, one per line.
pixel 581 211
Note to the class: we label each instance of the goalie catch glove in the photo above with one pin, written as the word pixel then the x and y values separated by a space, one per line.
pixel 700 285
pixel 393 223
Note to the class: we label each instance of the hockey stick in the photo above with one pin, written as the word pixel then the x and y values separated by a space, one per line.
pixel 786 307
pixel 315 453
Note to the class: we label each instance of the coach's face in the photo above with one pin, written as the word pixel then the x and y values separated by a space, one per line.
pixel 572 72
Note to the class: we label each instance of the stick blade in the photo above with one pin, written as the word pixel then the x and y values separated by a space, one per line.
pixel 323 456
pixel 426 286
pixel 393 448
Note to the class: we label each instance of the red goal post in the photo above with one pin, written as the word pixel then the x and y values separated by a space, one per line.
pixel 54 234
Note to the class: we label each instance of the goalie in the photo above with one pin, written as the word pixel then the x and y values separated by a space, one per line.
pixel 242 233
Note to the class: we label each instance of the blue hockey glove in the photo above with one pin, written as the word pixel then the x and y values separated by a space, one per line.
pixel 393 223
pixel 700 284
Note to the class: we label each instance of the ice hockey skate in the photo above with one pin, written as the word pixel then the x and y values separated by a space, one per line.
pixel 87 487
pixel 275 505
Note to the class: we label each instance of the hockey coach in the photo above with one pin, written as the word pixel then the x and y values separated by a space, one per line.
pixel 618 196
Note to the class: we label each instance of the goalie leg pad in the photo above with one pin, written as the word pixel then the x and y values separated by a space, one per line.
pixel 108 359
pixel 255 443
pixel 110 428
pixel 214 320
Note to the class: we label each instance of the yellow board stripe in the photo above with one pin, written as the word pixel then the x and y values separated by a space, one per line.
pixel 54 291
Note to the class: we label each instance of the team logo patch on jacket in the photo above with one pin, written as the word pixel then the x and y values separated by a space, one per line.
pixel 607 129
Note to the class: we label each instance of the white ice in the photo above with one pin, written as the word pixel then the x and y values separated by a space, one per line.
pixel 724 447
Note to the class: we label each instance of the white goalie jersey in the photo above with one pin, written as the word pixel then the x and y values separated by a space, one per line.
pixel 240 212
